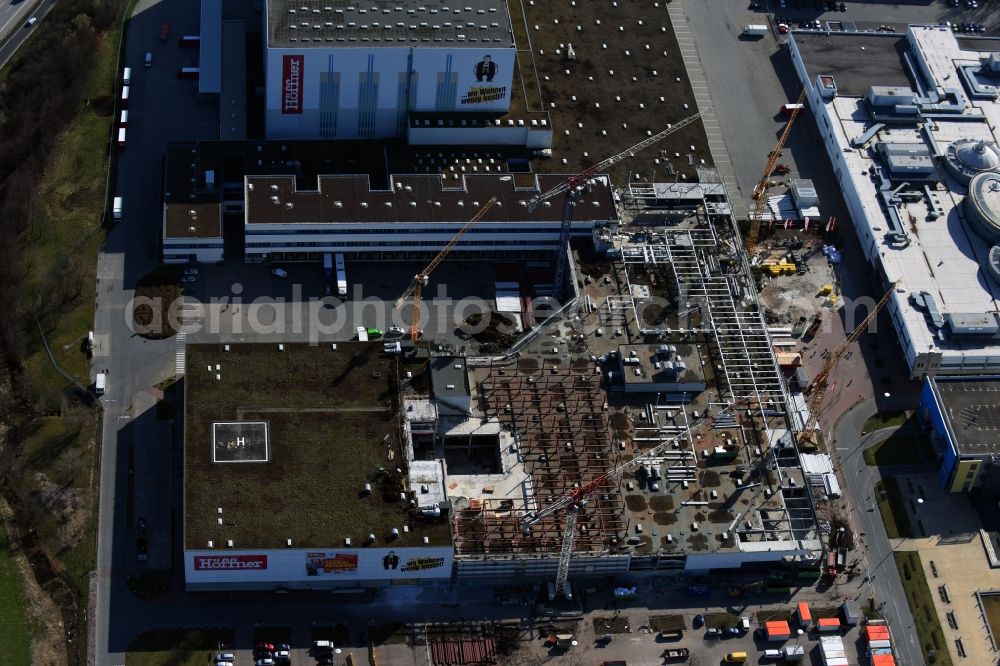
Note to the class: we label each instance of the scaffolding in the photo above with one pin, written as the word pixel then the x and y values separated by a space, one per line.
pixel 559 419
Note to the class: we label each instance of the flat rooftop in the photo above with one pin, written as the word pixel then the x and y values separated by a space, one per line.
pixel 682 365
pixel 297 434
pixel 416 198
pixel 424 23
pixel 192 220
pixel 944 256
pixel 856 61
pixel 972 412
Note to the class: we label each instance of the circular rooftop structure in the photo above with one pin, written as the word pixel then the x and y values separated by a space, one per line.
pixel 982 206
pixel 967 157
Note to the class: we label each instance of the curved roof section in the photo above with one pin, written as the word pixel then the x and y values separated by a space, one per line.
pixel 982 206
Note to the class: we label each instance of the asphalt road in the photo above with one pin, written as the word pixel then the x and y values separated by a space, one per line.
pixel 162 108
pixel 16 14
pixel 860 480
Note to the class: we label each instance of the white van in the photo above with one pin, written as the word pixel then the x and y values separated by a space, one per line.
pixel 116 209
pixel 100 383
pixel 123 120
pixel 127 76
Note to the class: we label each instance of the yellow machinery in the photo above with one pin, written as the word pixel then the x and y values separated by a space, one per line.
pixel 760 192
pixel 775 267
pixel 420 280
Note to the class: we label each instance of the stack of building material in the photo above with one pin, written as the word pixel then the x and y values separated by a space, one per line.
pixel 831 648
pixel 879 645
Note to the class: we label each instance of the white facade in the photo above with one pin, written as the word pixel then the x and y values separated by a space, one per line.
pixel 350 92
pixel 941 257
pixel 314 568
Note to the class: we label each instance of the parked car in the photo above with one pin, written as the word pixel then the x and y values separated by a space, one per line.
pixel 712 632
pixel 396 330
pixel 32 21
pixel 699 621
pixel 730 632
pixel 280 272
pixel 225 656
pixel 190 271
pixel 188 279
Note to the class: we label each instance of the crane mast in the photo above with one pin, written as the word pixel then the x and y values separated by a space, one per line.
pixel 819 385
pixel 416 288
pixel 569 187
pixel 760 192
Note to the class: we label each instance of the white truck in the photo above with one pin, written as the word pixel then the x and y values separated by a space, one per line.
pixel 117 209
pixel 754 30
pixel 100 383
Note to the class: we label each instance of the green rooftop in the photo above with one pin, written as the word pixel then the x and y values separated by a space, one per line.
pixel 284 441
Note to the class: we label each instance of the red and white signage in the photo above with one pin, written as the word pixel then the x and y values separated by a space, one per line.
pixel 229 562
pixel 292 71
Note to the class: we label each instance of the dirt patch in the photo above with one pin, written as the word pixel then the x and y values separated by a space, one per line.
pixel 158 300
pixel 612 625
pixel 666 622
pixel 720 517
pixel 710 479
pixel 664 518
pixel 103 106
pixel 661 503
pixel 698 541
pixel 635 503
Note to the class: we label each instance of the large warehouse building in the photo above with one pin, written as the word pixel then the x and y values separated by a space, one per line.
pixel 337 70
pixel 370 464
pixel 909 124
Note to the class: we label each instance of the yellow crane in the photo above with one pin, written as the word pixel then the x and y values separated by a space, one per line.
pixel 760 192
pixel 420 280
pixel 817 389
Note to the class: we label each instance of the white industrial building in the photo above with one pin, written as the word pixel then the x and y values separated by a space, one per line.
pixel 342 71
pixel 416 216
pixel 920 174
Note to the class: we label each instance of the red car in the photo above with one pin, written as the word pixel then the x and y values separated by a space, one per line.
pixel 164 32
pixel 782 29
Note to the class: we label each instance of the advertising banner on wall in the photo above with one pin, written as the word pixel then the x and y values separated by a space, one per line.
pixel 320 566
pixel 230 562
pixel 484 90
pixel 292 81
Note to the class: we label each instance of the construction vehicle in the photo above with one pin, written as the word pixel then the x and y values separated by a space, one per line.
pixel 676 654
pixel 737 591
pixel 817 389
pixel 421 279
pixel 576 499
pixel 574 185
pixel 760 192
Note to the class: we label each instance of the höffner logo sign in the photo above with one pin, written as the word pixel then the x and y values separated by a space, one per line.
pixel 292 70
pixel 229 562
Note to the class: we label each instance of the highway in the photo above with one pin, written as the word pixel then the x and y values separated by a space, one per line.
pixel 13 18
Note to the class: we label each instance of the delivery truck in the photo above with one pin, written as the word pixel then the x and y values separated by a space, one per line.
pixel 754 30
pixel 117 209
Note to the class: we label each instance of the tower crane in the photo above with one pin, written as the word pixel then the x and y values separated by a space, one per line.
pixel 570 187
pixel 420 280
pixel 818 387
pixel 760 192
pixel 576 499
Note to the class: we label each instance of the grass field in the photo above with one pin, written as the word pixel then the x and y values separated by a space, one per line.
pixel 892 505
pixel 177 647
pixel 902 448
pixel 15 635
pixel 885 420
pixel 918 595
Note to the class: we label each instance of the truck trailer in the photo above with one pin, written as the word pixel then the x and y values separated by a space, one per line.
pixel 754 30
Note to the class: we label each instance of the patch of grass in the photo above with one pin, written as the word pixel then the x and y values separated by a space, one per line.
pixel 893 508
pixel 158 297
pixel 885 420
pixel 918 595
pixel 150 585
pixel 177 647
pixel 60 447
pixel 901 449
pixel 721 620
pixel 15 634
